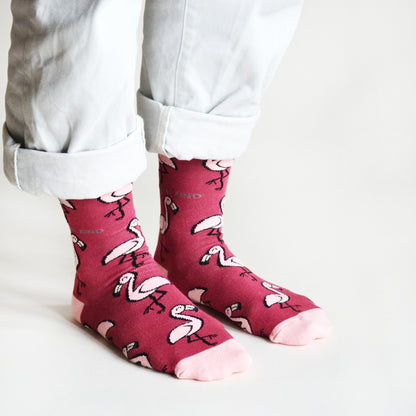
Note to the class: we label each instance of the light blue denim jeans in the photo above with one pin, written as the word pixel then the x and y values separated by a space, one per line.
pixel 72 127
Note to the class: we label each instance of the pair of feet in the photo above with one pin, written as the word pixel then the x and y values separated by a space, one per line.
pixel 146 306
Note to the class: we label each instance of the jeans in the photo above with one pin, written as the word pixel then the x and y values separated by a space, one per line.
pixel 75 126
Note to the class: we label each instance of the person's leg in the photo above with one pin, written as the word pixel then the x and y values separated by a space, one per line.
pixel 72 131
pixel 70 111
pixel 200 98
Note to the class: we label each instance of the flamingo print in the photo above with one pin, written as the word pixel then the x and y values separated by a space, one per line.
pixel 139 359
pixel 189 328
pixel 164 163
pixel 231 261
pixel 103 328
pixel 222 166
pixel 241 320
pixel 81 244
pixel 196 294
pixel 65 204
pixel 119 197
pixel 164 221
pixel 276 297
pixel 78 242
pixel 129 247
pixel 212 223
pixel 146 289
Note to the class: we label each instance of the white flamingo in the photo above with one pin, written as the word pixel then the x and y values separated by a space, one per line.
pixel 276 297
pixel 191 327
pixel 139 359
pixel 146 289
pixel 196 294
pixel 241 320
pixel 164 219
pixel 222 166
pixel 212 223
pixel 103 328
pixel 129 247
pixel 231 261
pixel 82 245
pixel 118 196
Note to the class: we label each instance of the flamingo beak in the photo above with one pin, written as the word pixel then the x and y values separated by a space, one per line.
pixel 205 259
pixel 191 308
pixel 117 290
pixel 131 346
pixel 174 207
pixel 236 306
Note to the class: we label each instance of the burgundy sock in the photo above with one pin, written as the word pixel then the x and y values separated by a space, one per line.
pixel 121 293
pixel 192 251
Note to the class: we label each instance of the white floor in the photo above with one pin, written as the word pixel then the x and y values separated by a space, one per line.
pixel 350 250
pixel 323 202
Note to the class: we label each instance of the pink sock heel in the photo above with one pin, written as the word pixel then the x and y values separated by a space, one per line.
pixel 77 307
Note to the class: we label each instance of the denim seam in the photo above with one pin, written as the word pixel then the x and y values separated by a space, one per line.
pixel 16 176
pixel 164 117
pixel 169 110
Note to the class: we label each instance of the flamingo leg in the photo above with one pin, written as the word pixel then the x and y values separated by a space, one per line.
pixel 213 181
pixel 156 301
pixel 203 339
pixel 163 249
pixel 80 284
pixel 133 258
pixel 218 233
pixel 249 272
pixel 119 208
pixel 223 175
pixel 162 170
pixel 289 306
pixel 143 255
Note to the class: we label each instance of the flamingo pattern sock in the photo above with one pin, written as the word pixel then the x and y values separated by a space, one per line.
pixel 121 293
pixel 196 259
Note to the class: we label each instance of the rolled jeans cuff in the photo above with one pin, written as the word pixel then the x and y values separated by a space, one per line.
pixel 186 134
pixel 80 175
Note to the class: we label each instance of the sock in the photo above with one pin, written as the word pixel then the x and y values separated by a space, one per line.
pixel 196 259
pixel 121 293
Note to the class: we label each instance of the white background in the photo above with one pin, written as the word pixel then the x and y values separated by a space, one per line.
pixel 323 203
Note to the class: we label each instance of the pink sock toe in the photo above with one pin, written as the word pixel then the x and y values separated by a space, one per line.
pixel 302 328
pixel 214 363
